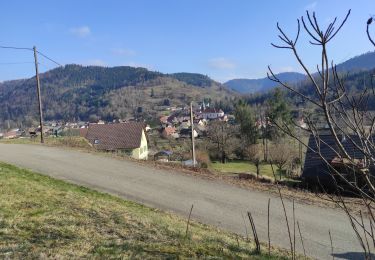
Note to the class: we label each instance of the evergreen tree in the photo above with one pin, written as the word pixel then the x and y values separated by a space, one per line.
pixel 245 117
pixel 278 113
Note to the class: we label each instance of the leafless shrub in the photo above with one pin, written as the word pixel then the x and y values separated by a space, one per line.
pixel 254 153
pixel 281 153
pixel 345 116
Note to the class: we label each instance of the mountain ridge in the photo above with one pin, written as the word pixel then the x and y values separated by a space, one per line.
pixel 365 61
pixel 76 92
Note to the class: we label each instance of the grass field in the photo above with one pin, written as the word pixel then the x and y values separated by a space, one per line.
pixel 41 217
pixel 65 141
pixel 237 166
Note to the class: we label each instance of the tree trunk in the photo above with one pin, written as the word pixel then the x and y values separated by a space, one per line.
pixel 222 157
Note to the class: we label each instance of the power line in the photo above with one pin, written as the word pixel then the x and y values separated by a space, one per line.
pixel 30 49
pixel 15 48
pixel 14 63
pixel 48 58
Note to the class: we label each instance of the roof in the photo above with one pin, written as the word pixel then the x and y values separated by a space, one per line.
pixel 115 136
pixel 315 165
pixel 169 130
pixel 212 110
pixel 328 149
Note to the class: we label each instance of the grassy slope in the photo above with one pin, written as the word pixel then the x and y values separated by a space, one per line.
pixel 65 141
pixel 242 167
pixel 44 217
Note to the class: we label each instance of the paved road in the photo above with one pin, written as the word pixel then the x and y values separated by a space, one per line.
pixel 214 202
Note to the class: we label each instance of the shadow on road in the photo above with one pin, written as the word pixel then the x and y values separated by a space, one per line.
pixel 352 255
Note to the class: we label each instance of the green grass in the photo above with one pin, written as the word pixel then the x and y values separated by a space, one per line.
pixel 65 141
pixel 41 217
pixel 237 166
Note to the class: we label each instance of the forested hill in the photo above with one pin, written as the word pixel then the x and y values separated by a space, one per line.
pixel 75 92
pixel 362 62
pixel 248 86
pixel 354 83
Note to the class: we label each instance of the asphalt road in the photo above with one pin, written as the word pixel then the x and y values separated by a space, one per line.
pixel 214 202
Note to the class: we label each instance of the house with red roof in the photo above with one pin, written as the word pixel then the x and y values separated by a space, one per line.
pixel 127 138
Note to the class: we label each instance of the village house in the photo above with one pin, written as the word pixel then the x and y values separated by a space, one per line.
pixel 15 133
pixel 169 131
pixel 212 113
pixel 186 133
pixel 163 120
pixel 127 138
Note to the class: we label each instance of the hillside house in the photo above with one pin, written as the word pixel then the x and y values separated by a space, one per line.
pixel 186 133
pixel 127 138
pixel 212 113
pixel 170 131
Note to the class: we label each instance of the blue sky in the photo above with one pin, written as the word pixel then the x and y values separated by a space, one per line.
pixel 223 39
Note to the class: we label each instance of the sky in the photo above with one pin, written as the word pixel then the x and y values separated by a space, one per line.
pixel 223 39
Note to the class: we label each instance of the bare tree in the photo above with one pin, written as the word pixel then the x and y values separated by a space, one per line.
pixel 345 116
pixel 254 153
pixel 281 153
pixel 222 135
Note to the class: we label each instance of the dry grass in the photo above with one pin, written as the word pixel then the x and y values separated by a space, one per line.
pixel 64 141
pixel 41 217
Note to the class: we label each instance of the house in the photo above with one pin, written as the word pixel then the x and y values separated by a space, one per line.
pixel 128 138
pixel 316 172
pixel 212 113
pixel 163 120
pixel 186 133
pixel 15 133
pixel 169 131
pixel 163 156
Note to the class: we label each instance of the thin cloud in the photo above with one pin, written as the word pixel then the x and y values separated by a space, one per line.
pixel 81 32
pixel 287 69
pixel 221 63
pixel 123 52
pixel 311 6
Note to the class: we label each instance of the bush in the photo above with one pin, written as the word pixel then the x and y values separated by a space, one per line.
pixel 203 158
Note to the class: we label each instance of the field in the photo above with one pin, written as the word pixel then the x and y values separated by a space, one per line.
pixel 237 166
pixel 41 217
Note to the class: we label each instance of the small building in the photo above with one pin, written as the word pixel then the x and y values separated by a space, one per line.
pixel 128 138
pixel 169 131
pixel 212 113
pixel 164 120
pixel 163 156
pixel 15 133
pixel 186 133
pixel 317 172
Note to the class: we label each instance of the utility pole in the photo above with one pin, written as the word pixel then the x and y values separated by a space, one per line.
pixel 39 97
pixel 192 133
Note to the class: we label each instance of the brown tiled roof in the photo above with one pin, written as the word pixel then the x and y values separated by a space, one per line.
pixel 115 136
pixel 169 130
pixel 212 110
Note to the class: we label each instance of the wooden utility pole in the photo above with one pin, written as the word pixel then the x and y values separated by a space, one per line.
pixel 192 133
pixel 39 97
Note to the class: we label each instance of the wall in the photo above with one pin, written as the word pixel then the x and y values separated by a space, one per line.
pixel 141 153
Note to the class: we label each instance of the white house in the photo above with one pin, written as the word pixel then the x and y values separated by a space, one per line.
pixel 212 113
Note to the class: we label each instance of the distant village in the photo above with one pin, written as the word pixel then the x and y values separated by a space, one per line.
pixel 176 125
